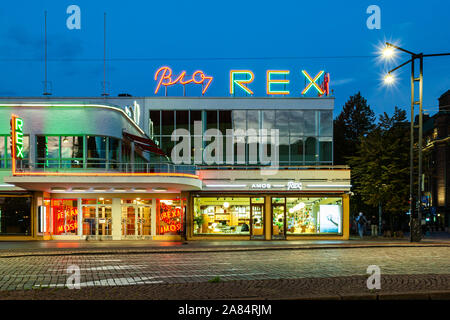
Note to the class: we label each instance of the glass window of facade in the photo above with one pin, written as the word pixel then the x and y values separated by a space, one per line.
pixel 305 136
pixel 15 216
pixel 167 122
pixel 226 216
pixel 73 151
pixel 182 119
pixel 5 152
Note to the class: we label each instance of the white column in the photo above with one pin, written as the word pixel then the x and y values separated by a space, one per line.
pixel 116 217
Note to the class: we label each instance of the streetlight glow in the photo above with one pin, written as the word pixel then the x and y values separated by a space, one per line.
pixel 389 79
pixel 388 52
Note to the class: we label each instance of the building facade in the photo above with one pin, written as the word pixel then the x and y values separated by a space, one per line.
pixel 162 168
pixel 436 152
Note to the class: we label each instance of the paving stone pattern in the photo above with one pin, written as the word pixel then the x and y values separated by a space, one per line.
pixel 255 274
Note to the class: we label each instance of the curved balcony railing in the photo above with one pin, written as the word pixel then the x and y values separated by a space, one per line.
pixel 105 167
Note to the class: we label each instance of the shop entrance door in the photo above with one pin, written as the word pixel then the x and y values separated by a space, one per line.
pixel 136 221
pixel 257 221
pixel 143 221
pixel 278 221
pixel 128 222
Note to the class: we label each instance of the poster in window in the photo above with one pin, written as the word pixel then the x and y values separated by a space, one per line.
pixel 330 219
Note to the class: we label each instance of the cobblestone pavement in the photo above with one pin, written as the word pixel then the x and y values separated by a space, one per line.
pixel 172 270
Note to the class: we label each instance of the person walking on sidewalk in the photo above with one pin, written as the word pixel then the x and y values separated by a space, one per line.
pixel 361 220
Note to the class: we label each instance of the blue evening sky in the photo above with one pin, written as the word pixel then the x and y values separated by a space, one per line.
pixel 191 35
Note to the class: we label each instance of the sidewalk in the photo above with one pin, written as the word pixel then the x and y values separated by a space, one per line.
pixel 37 248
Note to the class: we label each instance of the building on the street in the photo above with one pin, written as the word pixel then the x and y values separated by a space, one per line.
pixel 436 195
pixel 103 168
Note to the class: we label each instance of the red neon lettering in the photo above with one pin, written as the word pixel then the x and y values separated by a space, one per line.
pixel 163 76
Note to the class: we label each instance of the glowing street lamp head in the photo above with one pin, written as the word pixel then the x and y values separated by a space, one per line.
pixel 388 52
pixel 389 79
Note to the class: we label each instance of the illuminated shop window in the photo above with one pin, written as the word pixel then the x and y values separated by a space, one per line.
pixel 313 215
pixel 222 215
pixel 169 216
pixel 64 216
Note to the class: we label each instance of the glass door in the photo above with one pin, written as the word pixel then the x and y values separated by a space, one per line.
pixel 257 213
pixel 278 221
pixel 89 221
pixel 143 221
pixel 128 221
pixel 104 221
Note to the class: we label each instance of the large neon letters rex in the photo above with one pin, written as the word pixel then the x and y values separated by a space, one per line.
pixel 276 81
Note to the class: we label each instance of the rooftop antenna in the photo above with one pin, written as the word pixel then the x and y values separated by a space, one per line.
pixel 104 94
pixel 45 93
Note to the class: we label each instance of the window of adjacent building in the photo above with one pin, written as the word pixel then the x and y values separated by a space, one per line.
pixel 15 216
pixel 227 216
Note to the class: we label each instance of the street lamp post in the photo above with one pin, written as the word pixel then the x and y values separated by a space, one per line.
pixel 415 224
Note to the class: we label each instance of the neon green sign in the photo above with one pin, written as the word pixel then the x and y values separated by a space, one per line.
pixel 18 137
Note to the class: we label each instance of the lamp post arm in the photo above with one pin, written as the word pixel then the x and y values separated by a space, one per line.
pixel 403 64
pixel 436 54
pixel 401 49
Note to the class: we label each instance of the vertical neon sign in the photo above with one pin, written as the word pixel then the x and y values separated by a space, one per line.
pixel 17 146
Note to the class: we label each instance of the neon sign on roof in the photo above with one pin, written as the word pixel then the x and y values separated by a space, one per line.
pixel 277 81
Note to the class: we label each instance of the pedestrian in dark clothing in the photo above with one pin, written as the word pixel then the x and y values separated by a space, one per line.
pixel 361 220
